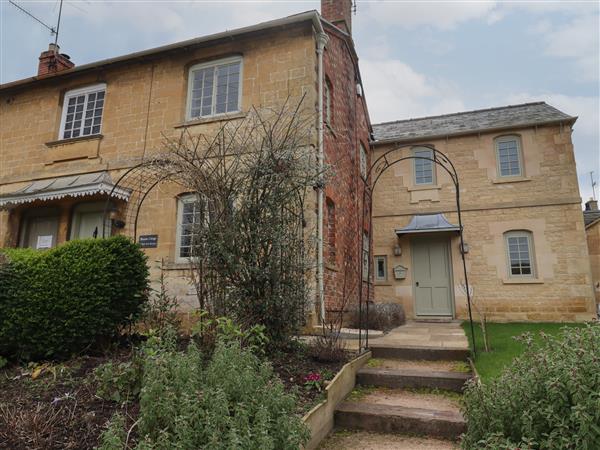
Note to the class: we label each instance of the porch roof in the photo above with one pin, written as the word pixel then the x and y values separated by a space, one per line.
pixel 60 187
pixel 427 223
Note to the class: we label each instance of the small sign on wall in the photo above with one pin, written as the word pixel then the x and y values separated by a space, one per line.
pixel 44 242
pixel 148 241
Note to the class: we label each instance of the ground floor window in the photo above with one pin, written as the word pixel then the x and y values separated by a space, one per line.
pixel 381 268
pixel 519 246
pixel 190 214
pixel 365 255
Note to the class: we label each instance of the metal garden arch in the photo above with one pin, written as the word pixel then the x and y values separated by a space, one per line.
pixel 380 165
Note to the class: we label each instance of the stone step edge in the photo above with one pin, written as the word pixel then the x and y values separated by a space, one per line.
pixel 400 420
pixel 411 378
pixel 419 353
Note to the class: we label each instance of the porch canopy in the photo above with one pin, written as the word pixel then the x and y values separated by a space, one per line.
pixel 427 223
pixel 60 187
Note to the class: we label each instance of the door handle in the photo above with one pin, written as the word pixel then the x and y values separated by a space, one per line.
pixel 417 284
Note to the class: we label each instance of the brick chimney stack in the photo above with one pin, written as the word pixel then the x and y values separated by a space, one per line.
pixel 339 13
pixel 51 61
pixel 591 205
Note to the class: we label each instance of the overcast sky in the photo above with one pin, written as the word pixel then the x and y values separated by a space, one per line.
pixel 416 58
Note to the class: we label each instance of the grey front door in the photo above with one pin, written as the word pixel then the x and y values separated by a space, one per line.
pixel 432 277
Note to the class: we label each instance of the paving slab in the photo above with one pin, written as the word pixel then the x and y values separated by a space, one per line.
pixel 364 440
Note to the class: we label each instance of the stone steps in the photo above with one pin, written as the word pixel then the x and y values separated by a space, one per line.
pixel 400 419
pixel 361 440
pixel 410 378
pixel 419 352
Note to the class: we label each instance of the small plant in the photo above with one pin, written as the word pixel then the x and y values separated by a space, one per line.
pixel 119 382
pixel 161 311
pixel 114 436
pixel 382 316
pixel 3 362
pixel 313 381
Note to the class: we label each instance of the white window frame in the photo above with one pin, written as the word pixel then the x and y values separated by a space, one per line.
pixel 181 200
pixel 385 271
pixel 364 161
pixel 76 93
pixel 530 248
pixel 214 64
pixel 509 138
pixel 415 150
pixel 366 256
pixel 327 92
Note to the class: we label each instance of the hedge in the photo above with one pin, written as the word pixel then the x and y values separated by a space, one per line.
pixel 57 302
pixel 548 398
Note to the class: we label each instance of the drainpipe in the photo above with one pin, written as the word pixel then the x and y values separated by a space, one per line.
pixel 322 39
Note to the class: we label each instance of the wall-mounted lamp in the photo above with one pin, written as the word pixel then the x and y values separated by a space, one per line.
pixel 397 250
pixel 113 215
pixel 464 248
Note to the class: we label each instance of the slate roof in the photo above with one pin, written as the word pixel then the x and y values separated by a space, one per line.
pixel 590 216
pixel 468 122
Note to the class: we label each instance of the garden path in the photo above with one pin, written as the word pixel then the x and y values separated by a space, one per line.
pixel 408 394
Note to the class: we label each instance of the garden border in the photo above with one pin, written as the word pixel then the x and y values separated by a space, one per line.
pixel 320 419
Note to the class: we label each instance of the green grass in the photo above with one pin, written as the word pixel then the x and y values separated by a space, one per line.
pixel 503 347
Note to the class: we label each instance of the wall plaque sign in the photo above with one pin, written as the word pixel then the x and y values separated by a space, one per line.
pixel 148 241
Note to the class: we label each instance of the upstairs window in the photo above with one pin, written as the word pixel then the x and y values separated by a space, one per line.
pixel 508 154
pixel 363 161
pixel 519 246
pixel 424 173
pixel 82 112
pixel 328 102
pixel 331 230
pixel 214 88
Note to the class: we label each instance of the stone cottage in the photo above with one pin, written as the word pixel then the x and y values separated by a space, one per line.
pixel 525 248
pixel 70 132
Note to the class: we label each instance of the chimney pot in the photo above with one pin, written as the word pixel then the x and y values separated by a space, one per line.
pixel 591 205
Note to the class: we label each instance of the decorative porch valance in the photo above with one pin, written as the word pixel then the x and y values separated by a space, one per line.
pixel 427 223
pixel 70 186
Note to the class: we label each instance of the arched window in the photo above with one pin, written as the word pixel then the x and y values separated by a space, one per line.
pixel 424 170
pixel 520 254
pixel 509 156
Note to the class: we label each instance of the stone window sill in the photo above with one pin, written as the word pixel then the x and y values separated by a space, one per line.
pixel 429 187
pixel 523 281
pixel 510 180
pixel 383 283
pixel 93 137
pixel 211 119
pixel 177 266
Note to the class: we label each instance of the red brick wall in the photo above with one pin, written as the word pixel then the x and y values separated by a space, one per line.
pixel 349 127
pixel 338 12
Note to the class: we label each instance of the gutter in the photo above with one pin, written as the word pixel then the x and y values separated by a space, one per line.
pixel 322 40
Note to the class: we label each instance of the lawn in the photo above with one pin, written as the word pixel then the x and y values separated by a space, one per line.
pixel 503 347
